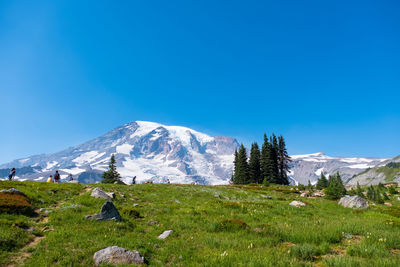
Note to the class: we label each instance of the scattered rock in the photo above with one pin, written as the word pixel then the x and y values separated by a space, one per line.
pixel 227 198
pixel 267 197
pixel 305 194
pixel 216 195
pixel 153 222
pixel 347 236
pixel 135 204
pixel 117 255
pixel 388 204
pixel 108 212
pixel 156 246
pixel 98 193
pixel 353 202
pixel 31 229
pixel 165 234
pixel 398 198
pixel 296 203
pixel 318 194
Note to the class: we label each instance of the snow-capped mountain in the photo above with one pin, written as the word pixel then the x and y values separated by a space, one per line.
pixel 310 166
pixel 147 150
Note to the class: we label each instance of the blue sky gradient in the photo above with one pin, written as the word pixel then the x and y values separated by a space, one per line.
pixel 325 74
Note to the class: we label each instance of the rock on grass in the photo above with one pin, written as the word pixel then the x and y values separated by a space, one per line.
pixel 117 255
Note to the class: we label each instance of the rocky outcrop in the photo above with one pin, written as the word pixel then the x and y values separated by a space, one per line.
pixel 117 255
pixel 98 193
pixel 353 202
pixel 108 212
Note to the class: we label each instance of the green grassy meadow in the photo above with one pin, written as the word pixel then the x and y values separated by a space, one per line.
pixel 242 227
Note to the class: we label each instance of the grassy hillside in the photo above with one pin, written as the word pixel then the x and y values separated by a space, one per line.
pixel 242 227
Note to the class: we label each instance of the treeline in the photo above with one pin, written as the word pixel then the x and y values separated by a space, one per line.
pixel 334 188
pixel 268 165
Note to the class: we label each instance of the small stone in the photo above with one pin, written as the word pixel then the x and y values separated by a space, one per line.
pixel 216 195
pixel 165 234
pixel 156 246
pixel 388 204
pixel 227 198
pixel 347 236
pixel 296 203
pixel 136 204
pixel 31 229
pixel 267 197
pixel 153 222
pixel 117 255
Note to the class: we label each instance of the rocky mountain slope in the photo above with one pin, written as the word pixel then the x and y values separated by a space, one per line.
pixel 148 150
pixel 156 152
pixel 310 166
pixel 385 172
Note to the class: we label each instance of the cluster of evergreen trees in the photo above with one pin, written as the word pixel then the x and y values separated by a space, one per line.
pixel 268 165
pixel 334 188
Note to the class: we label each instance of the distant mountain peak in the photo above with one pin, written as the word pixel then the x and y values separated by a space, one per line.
pixel 147 150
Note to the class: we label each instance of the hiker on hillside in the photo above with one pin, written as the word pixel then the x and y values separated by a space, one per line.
pixel 50 179
pixel 12 174
pixel 70 178
pixel 56 177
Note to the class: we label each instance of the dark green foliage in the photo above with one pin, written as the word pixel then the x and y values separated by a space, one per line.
pixel 241 171
pixel 254 165
pixel 310 187
pixel 283 161
pixel 322 182
pixel 264 160
pixel 335 189
pixel 111 175
pixel 374 194
pixel 359 191
pixel 392 190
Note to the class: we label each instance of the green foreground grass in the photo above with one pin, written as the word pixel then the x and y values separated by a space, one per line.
pixel 241 228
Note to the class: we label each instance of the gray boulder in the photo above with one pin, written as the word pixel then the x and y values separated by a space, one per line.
pixel 353 202
pixel 117 255
pixel 108 212
pixel 165 234
pixel 98 193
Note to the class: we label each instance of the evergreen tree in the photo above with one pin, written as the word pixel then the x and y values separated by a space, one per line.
pixel 335 189
pixel 309 186
pixel 254 165
pixel 359 191
pixel 322 182
pixel 264 159
pixel 111 175
pixel 241 175
pixel 273 160
pixel 283 161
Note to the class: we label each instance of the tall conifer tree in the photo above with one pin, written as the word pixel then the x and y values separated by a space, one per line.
pixel 254 164
pixel 273 160
pixel 264 159
pixel 283 161
pixel 111 175
pixel 241 175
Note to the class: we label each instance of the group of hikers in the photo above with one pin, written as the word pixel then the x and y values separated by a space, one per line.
pixel 52 179
pixel 56 178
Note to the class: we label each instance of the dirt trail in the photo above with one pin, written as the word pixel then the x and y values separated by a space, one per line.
pixel 24 253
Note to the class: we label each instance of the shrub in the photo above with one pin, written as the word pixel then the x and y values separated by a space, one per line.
pixel 14 203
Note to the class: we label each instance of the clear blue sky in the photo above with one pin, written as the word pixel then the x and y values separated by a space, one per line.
pixel 325 74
